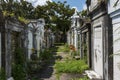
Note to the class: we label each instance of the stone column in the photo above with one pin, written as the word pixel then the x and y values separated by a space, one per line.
pixel 72 37
pixel 108 48
pixel 75 38
pixel 80 45
pixel 8 54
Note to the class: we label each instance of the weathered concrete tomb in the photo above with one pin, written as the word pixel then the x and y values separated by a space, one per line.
pixel 35 37
pixel 48 37
pixel 12 33
pixel 101 39
pixel 114 12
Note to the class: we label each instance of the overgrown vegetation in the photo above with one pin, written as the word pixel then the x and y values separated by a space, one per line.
pixel 71 66
pixel 2 74
pixel 58 13
pixel 63 48
pixel 18 66
pixel 84 78
pixel 33 66
pixel 74 53
pixel 22 19
pixel 39 62
pixel 46 55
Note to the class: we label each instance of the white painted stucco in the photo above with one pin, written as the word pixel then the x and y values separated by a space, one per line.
pixel 93 4
pixel 75 38
pixel 68 37
pixel 111 7
pixel 116 51
pixel 115 15
pixel 75 24
pixel 98 54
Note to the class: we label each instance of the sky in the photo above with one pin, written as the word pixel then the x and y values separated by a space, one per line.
pixel 79 4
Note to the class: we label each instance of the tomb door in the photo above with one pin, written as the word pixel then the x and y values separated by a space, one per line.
pixel 15 43
pixel 98 53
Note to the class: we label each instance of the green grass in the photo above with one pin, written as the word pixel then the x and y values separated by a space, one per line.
pixel 84 78
pixel 63 48
pixel 58 43
pixel 71 66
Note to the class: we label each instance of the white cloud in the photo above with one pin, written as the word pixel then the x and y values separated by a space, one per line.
pixel 38 2
pixel 75 8
pixel 84 7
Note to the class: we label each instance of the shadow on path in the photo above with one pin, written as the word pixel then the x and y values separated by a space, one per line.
pixel 47 72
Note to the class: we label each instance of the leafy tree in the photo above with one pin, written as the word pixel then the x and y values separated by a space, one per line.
pixel 83 13
pixel 57 13
pixel 22 8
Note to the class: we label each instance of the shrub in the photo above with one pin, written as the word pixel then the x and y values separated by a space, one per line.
pixel 18 66
pixel 33 66
pixel 18 72
pixel 63 48
pixel 46 55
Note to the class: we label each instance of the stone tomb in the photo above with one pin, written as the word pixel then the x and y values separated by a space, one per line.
pixel 114 13
pixel 35 37
pixel 85 42
pixel 101 39
pixel 13 37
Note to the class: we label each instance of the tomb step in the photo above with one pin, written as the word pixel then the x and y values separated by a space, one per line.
pixel 93 75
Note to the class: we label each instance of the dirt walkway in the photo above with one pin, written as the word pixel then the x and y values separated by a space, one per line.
pixel 48 72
